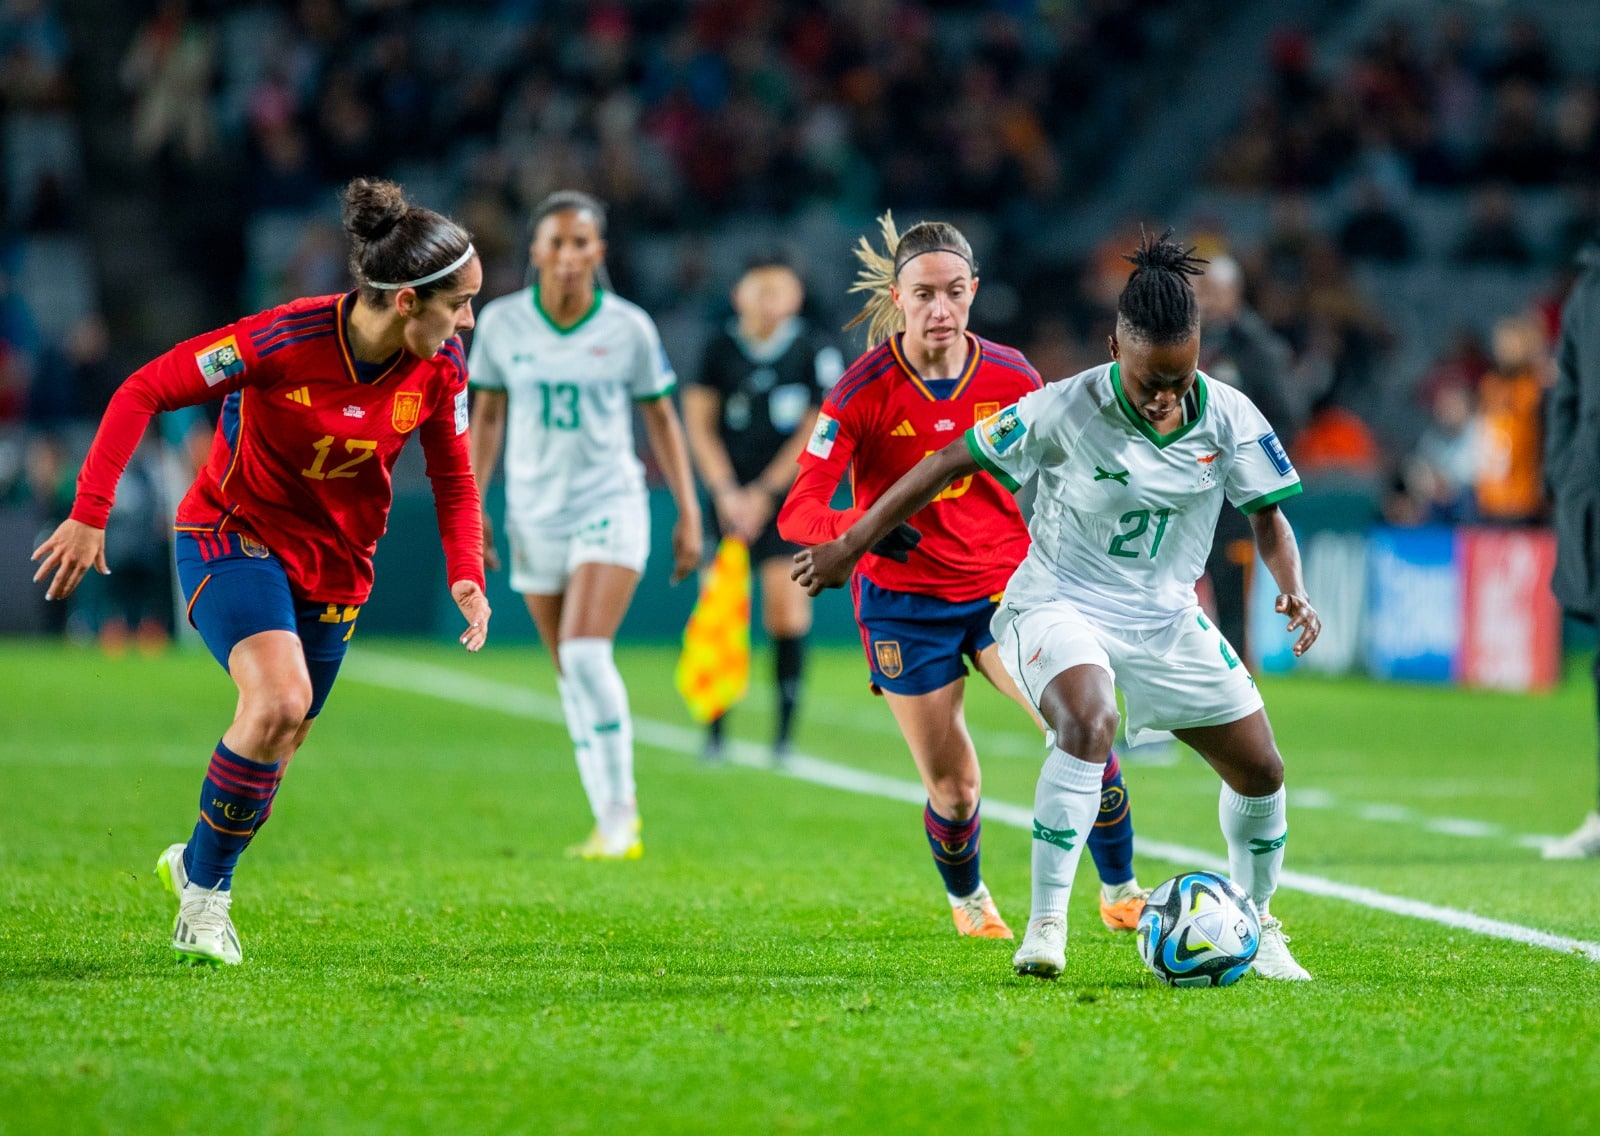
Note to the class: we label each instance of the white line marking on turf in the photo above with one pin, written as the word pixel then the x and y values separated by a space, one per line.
pixel 487 694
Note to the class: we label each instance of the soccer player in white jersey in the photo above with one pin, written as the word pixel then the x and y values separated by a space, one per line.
pixel 559 368
pixel 1133 459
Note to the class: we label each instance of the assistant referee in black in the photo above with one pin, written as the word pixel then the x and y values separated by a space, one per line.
pixel 762 380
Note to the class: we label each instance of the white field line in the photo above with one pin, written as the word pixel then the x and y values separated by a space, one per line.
pixel 485 694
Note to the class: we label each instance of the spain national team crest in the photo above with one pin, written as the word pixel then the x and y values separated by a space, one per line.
pixel 220 361
pixel 253 548
pixel 407 410
pixel 984 410
pixel 887 652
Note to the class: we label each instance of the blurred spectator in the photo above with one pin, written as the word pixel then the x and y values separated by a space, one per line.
pixel 1441 474
pixel 1461 367
pixel 1336 443
pixel 1375 230
pixel 168 70
pixel 1493 236
pixel 1239 349
pixel 74 380
pixel 1510 488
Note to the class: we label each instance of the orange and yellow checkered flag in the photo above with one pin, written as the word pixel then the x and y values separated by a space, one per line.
pixel 714 670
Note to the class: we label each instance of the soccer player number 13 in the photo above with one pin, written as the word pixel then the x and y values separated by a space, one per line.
pixel 1139 520
pixel 361 448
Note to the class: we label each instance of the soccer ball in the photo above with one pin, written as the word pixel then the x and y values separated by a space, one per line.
pixel 1198 930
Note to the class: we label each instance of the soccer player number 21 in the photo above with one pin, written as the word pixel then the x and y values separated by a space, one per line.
pixel 1139 519
pixel 360 448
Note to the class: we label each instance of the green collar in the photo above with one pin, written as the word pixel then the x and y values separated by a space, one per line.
pixel 599 294
pixel 1142 424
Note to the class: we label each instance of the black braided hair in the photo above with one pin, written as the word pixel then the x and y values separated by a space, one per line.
pixel 1157 305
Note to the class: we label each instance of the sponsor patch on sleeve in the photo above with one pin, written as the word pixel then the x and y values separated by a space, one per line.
pixel 220 361
pixel 461 411
pixel 1003 430
pixel 822 436
pixel 1276 454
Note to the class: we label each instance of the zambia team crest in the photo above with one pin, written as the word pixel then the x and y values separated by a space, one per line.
pixel 887 652
pixel 407 410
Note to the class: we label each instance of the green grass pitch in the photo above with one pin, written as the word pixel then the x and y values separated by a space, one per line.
pixel 420 957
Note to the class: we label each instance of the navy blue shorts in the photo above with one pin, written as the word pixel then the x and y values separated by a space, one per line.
pixel 236 588
pixel 915 643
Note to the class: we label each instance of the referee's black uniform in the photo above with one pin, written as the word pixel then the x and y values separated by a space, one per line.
pixel 768 390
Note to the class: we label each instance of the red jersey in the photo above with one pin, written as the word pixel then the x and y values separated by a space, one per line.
pixel 304 450
pixel 881 419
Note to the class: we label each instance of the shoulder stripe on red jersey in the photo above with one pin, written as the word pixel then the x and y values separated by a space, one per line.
pixel 1023 369
pixel 453 351
pixel 283 332
pixel 287 324
pixel 319 333
pixel 873 365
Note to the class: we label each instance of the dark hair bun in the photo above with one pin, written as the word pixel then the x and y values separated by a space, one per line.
pixel 1165 253
pixel 372 208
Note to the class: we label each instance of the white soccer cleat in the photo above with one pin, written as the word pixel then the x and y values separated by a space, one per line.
pixel 1273 959
pixel 1043 953
pixel 203 931
pixel 1584 844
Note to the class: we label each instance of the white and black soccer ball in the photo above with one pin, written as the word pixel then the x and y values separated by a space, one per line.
pixel 1198 929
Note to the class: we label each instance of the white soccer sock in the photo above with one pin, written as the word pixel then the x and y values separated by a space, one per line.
pixel 1255 829
pixel 589 771
pixel 1065 805
pixel 597 685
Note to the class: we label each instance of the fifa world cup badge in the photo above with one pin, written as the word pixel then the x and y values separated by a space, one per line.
pixel 220 361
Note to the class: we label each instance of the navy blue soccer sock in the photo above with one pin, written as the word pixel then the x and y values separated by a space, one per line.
pixel 955 846
pixel 1111 841
pixel 235 799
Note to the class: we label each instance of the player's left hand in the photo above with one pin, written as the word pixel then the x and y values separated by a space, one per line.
pixel 822 566
pixel 1302 617
pixel 474 606
pixel 686 548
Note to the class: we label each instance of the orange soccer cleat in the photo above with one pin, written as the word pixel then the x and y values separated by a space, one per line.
pixel 976 916
pixel 1121 906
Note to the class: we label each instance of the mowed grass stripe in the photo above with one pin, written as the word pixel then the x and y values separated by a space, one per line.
pixel 444 683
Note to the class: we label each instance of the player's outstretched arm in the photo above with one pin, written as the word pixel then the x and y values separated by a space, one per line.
pixel 828 565
pixel 70 552
pixel 474 607
pixel 1281 554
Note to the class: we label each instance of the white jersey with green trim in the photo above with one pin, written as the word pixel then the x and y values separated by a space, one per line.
pixel 1124 517
pixel 569 428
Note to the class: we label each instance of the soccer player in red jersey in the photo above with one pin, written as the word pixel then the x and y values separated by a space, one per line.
pixel 276 535
pixel 925 596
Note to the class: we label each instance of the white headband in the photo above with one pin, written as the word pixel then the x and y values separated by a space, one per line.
pixel 431 277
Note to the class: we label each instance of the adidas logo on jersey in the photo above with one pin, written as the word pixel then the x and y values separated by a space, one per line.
pixel 905 429
pixel 301 395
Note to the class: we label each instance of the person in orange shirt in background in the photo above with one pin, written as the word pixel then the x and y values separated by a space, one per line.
pixel 1510 486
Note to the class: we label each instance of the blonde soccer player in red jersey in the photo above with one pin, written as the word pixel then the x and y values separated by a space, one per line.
pixel 925 595
pixel 275 537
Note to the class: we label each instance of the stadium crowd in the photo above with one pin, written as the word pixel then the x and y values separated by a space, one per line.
pixel 686 117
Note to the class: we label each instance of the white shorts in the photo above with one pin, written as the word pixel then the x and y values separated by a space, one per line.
pixel 542 564
pixel 1172 677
